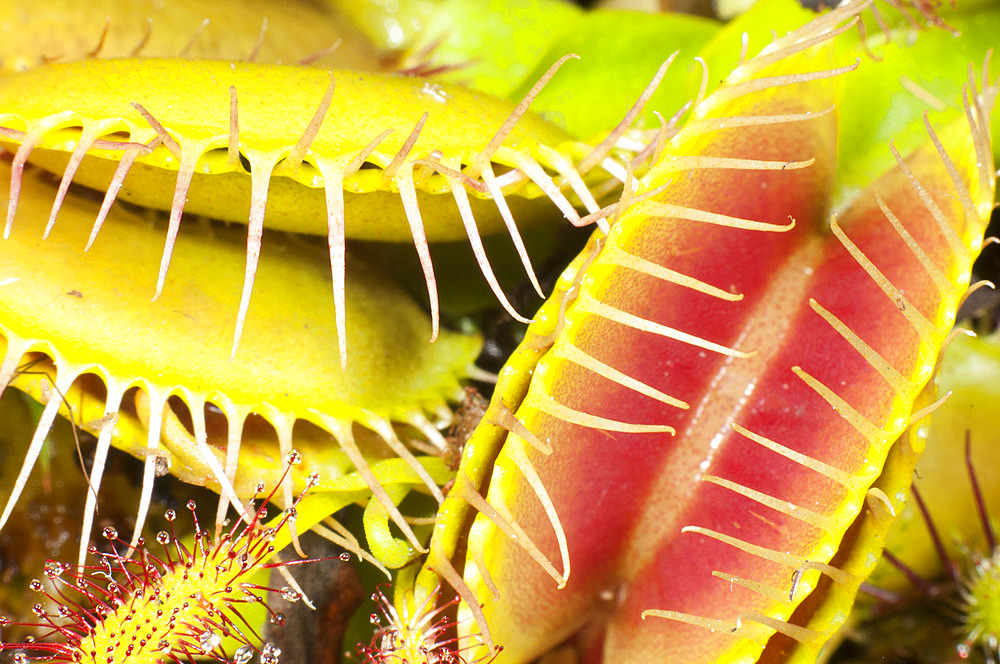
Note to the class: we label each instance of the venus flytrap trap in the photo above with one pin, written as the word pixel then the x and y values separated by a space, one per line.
pixel 734 362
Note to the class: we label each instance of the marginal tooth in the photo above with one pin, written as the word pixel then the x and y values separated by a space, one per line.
pixel 388 434
pixel 419 421
pixel 502 519
pixel 851 482
pixel 479 162
pixel 196 405
pixel 896 380
pixel 168 140
pixel 772 593
pixel 656 208
pixel 336 239
pixel 862 424
pixel 616 255
pixel 87 137
pixel 527 164
pixel 16 173
pixel 551 407
pixel 568 351
pixel 711 624
pixel 259 44
pixel 260 181
pixel 923 327
pixel 127 160
pixel 185 172
pixel 954 241
pixel 442 566
pixel 389 172
pixel 194 38
pixel 701 126
pixel 233 148
pixel 566 169
pixel 588 304
pixel 343 538
pixel 235 420
pixel 496 193
pixel 283 425
pixel 484 573
pixel 408 196
pixel 785 507
pixel 157 404
pixel 294 158
pixel 766 59
pixel 726 95
pixel 527 469
pixel 933 271
pixel 476 242
pixel 45 422
pixel 602 150
pixel 111 406
pixel 342 432
pixel 506 419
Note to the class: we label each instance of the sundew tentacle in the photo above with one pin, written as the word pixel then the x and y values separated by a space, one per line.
pixel 289 158
pixel 288 372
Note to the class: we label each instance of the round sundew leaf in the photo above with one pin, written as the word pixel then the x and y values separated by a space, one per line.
pixel 33 33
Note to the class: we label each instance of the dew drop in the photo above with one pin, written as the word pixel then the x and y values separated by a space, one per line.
pixel 4 621
pixel 20 658
pixel 54 569
pixel 170 515
pixel 191 505
pixel 260 487
pixel 312 480
pixel 243 655
pixel 163 645
pixel 277 619
pixel 262 513
pixel 110 533
pixel 270 654
pixel 290 594
pixel 293 458
pixel 291 514
pixel 140 542
pixel 163 537
pixel 374 619
pixel 346 557
pixel 208 641
pixel 38 610
pixel 35 585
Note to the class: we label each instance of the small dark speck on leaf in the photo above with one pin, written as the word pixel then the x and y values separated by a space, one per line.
pixel 74 293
